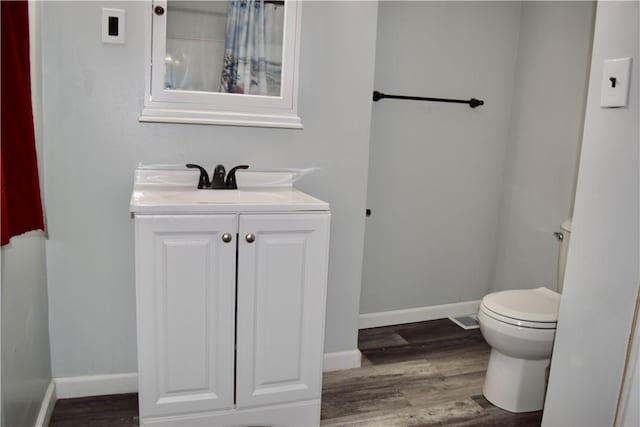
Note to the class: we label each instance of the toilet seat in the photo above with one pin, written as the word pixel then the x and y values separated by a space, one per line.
pixel 528 308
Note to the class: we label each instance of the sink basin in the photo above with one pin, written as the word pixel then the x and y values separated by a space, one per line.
pixel 175 192
pixel 220 196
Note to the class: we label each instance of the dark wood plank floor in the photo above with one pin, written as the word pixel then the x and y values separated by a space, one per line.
pixel 416 375
pixel 119 410
pixel 420 374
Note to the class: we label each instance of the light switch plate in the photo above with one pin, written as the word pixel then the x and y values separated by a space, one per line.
pixel 116 18
pixel 615 82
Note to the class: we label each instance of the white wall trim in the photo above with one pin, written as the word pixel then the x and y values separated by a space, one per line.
pixel 342 360
pixel 46 407
pixel 96 385
pixel 418 314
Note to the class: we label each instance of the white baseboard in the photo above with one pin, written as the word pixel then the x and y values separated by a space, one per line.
pixel 46 407
pixel 342 360
pixel 418 314
pixel 96 385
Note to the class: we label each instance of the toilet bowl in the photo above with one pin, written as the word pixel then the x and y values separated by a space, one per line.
pixel 520 326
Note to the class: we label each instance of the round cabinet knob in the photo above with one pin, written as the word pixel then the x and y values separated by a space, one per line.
pixel 250 238
pixel 226 237
pixel 159 10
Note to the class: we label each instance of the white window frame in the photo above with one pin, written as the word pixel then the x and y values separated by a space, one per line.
pixel 182 106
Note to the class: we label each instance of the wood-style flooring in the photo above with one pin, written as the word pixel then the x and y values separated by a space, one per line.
pixel 419 374
pixel 416 375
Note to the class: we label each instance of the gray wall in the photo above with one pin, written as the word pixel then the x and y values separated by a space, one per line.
pixel 435 174
pixel 93 95
pixel 26 365
pixel 544 140
pixel 466 201
pixel 601 282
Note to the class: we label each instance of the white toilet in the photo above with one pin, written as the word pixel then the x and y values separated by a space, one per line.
pixel 520 326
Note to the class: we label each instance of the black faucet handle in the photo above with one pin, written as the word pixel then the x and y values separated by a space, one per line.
pixel 231 177
pixel 203 182
pixel 217 179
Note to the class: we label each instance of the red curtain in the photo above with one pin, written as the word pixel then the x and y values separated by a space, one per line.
pixel 21 207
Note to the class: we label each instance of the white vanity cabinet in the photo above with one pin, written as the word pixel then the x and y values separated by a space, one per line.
pixel 185 276
pixel 281 294
pixel 231 307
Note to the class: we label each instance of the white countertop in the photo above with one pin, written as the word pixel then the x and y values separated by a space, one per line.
pixel 175 191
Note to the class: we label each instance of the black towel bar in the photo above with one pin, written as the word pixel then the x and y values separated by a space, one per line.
pixel 473 102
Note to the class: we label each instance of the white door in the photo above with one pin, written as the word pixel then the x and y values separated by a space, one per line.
pixel 282 277
pixel 185 275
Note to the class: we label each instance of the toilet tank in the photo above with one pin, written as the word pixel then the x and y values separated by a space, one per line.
pixel 564 249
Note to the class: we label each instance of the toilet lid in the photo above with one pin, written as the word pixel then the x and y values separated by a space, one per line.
pixel 532 305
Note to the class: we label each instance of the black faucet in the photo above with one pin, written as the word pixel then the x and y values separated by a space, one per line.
pixel 218 181
pixel 203 182
pixel 231 177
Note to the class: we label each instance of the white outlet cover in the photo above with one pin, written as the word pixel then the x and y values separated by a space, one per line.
pixel 116 13
pixel 614 93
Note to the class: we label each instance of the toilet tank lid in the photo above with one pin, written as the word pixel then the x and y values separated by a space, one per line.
pixel 533 305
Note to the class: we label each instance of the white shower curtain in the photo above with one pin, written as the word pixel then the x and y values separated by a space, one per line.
pixel 253 48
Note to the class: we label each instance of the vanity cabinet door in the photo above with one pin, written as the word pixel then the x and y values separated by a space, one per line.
pixel 282 277
pixel 185 275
